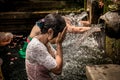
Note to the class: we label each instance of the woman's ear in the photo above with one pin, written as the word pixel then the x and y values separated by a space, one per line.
pixel 50 33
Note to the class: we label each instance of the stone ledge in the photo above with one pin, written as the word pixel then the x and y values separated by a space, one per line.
pixel 103 72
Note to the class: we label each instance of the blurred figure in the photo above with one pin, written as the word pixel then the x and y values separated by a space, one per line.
pixel 5 38
pixel 101 4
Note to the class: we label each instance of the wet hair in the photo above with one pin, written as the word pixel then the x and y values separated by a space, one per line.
pixel 54 21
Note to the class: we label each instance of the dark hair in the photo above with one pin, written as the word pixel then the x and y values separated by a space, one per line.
pixel 54 21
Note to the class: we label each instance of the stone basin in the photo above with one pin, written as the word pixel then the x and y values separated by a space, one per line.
pixel 103 72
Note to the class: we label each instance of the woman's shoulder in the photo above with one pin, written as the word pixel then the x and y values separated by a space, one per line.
pixel 36 44
pixel 35 31
pixel 34 41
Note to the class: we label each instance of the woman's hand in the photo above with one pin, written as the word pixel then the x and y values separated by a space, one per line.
pixel 61 36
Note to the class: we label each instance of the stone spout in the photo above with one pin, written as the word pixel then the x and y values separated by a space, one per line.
pixel 111 21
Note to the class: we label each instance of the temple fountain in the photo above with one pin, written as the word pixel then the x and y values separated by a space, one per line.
pixel 79 50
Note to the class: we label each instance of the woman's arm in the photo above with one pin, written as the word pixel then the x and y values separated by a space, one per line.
pixel 74 29
pixel 59 53
pixel 79 29
pixel 51 50
pixel 59 60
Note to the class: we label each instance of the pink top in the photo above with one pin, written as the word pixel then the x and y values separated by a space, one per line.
pixel 38 61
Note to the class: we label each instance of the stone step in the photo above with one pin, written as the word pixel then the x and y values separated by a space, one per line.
pixel 19 21
pixel 35 5
pixel 103 72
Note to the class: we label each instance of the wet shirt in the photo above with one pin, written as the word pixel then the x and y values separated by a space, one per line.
pixel 38 61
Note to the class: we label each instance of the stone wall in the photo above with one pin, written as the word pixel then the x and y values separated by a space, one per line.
pixel 112 44
pixel 38 5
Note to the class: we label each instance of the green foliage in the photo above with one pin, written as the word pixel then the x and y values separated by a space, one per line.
pixel 106 4
pixel 85 4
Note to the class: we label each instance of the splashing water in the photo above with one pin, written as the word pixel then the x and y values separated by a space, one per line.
pixel 80 50
pixel 75 19
pixel 80 39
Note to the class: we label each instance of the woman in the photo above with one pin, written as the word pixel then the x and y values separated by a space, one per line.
pixel 40 60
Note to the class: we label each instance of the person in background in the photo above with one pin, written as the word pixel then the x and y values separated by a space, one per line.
pixel 101 4
pixel 40 59
pixel 5 39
